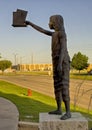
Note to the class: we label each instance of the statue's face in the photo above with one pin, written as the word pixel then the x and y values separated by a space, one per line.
pixel 51 24
pixel 56 22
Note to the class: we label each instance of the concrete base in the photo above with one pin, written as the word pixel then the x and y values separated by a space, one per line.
pixel 53 122
pixel 28 126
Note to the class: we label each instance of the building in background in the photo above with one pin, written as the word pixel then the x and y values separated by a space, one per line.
pixel 89 69
pixel 35 67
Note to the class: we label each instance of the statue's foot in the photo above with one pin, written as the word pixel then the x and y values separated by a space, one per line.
pixel 57 112
pixel 66 116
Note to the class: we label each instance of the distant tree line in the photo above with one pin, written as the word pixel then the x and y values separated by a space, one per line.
pixel 4 64
pixel 79 61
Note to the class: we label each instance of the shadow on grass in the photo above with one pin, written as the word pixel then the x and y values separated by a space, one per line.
pixel 28 108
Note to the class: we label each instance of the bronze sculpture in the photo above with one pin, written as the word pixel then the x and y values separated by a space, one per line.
pixel 60 61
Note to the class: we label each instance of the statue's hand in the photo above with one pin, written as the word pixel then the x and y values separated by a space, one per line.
pixel 27 22
pixel 59 70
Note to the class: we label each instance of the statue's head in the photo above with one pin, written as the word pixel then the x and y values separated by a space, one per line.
pixel 56 22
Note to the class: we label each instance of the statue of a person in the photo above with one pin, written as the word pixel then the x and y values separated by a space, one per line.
pixel 60 61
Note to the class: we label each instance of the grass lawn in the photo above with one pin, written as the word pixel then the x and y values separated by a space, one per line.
pixel 82 76
pixel 29 107
pixel 73 75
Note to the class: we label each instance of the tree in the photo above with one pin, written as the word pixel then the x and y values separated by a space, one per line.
pixel 4 64
pixel 79 61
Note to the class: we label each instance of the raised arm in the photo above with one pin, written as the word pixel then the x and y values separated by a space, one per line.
pixel 49 33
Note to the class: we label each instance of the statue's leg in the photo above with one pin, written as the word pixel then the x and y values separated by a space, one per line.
pixel 58 111
pixel 66 99
pixel 65 89
pixel 57 88
pixel 67 115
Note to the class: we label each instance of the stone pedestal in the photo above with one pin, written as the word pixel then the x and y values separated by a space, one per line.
pixel 53 122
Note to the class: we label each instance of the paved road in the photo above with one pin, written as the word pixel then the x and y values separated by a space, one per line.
pixel 80 90
pixel 41 84
pixel 9 115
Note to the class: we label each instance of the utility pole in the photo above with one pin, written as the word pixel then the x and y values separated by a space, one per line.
pixel 32 58
pixel 15 58
pixel 21 59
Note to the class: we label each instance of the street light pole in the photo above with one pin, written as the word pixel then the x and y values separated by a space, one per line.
pixel 15 57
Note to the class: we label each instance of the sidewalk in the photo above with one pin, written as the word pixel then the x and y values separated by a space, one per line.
pixel 8 115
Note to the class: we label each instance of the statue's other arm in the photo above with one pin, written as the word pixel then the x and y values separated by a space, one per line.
pixel 49 33
pixel 62 53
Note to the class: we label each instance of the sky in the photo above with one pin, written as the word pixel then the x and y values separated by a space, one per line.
pixel 26 45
